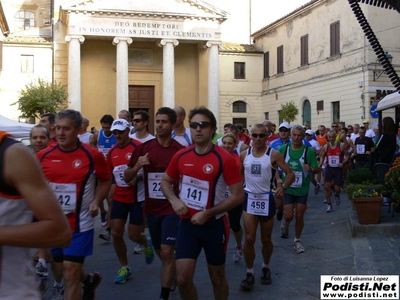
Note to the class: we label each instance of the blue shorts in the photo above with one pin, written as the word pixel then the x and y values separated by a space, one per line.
pixel 81 246
pixel 213 237
pixel 120 210
pixel 292 199
pixel 163 229
pixel 334 174
pixel 271 210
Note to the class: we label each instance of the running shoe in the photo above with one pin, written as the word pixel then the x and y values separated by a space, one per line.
pixel 266 276
pixel 149 252
pixel 284 230
pixel 104 219
pixel 89 291
pixel 57 293
pixel 337 199
pixel 298 247
pixel 325 201
pixel 123 275
pixel 329 208
pixel 41 270
pixel 237 255
pixel 174 284
pixel 317 188
pixel 248 283
pixel 105 235
pixel 138 249
pixel 279 215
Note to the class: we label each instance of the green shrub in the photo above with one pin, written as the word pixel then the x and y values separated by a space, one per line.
pixel 360 175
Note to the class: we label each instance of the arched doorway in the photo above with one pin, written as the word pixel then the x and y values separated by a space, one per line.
pixel 306 113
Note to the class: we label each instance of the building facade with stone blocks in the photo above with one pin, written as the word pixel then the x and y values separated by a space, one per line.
pixel 240 84
pixel 25 49
pixel 137 55
pixel 319 58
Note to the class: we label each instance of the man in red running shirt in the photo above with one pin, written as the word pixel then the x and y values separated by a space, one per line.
pixel 203 172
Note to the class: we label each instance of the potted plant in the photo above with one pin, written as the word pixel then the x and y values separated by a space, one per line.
pixel 392 182
pixel 367 200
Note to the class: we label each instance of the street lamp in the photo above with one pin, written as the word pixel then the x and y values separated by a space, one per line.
pixel 378 74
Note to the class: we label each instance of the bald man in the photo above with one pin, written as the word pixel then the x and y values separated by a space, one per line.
pixel 84 135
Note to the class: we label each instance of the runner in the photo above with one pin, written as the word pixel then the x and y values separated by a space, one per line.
pixel 258 168
pixel 23 192
pixel 203 172
pixel 154 156
pixel 73 169
pixel 125 200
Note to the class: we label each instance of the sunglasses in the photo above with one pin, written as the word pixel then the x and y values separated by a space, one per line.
pixel 116 132
pixel 283 130
pixel 260 135
pixel 202 125
pixel 137 120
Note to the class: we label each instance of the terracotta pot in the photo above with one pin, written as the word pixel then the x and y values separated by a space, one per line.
pixel 368 209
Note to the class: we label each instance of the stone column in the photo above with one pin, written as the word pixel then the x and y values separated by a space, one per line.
pixel 168 71
pixel 122 96
pixel 74 70
pixel 213 77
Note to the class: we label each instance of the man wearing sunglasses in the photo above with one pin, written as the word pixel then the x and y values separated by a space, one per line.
pixel 125 200
pixel 140 121
pixel 284 136
pixel 258 169
pixel 154 156
pixel 203 172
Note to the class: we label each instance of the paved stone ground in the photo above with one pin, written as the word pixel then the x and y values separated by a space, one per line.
pixel 330 250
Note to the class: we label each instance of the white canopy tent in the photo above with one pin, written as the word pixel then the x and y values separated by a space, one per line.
pixel 389 101
pixel 16 129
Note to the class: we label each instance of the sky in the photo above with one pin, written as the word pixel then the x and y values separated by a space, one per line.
pixel 263 12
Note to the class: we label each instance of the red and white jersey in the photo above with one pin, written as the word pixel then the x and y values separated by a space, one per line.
pixel 203 177
pixel 117 161
pixel 159 157
pixel 334 157
pixel 72 175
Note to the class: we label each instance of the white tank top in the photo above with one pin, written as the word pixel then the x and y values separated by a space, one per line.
pixel 258 172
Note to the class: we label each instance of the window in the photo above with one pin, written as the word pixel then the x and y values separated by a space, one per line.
pixel 240 70
pixel 336 111
pixel 242 121
pixel 26 63
pixel 304 50
pixel 24 20
pixel 280 59
pixel 320 105
pixel 280 116
pixel 335 38
pixel 307 113
pixel 239 107
pixel 266 65
pixel 266 115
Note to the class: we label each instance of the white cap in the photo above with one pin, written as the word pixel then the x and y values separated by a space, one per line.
pixel 310 132
pixel 286 125
pixel 120 124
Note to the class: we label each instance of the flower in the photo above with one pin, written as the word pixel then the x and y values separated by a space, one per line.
pixel 366 192
pixel 392 182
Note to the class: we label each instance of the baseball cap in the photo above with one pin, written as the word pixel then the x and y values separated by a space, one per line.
pixel 310 132
pixel 365 122
pixel 285 125
pixel 120 124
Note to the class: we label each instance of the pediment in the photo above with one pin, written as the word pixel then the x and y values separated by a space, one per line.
pixel 193 9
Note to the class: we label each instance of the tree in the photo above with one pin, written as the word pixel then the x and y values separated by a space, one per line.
pixel 289 111
pixel 39 97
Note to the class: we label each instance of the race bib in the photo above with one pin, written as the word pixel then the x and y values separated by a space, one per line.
pixel 360 149
pixel 66 196
pixel 104 151
pixel 119 175
pixel 194 192
pixel 154 185
pixel 334 160
pixel 258 204
pixel 298 179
